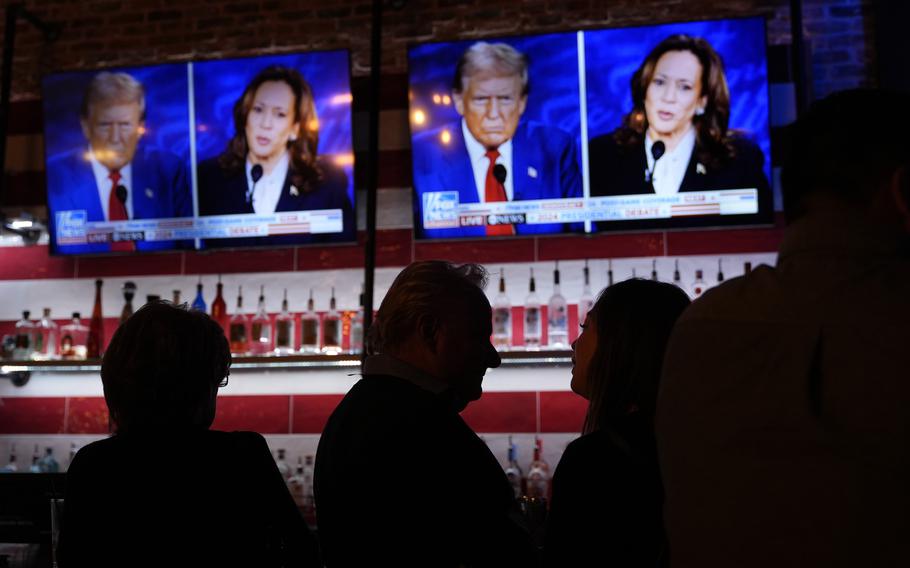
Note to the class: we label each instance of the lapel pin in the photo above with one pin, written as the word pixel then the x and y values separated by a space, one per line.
pixel 700 168
pixel 294 191
pixel 149 193
pixel 532 172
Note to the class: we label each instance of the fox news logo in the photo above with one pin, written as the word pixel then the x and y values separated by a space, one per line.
pixel 440 210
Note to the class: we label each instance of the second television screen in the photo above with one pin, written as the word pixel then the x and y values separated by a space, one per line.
pixel 227 153
pixel 649 127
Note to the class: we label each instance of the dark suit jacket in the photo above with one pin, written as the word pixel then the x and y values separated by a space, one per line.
pixel 401 480
pixel 200 498
pixel 607 501
pixel 223 192
pixel 544 166
pixel 160 191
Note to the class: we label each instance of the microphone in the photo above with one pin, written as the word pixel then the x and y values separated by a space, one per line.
pixel 499 172
pixel 121 192
pixel 657 150
pixel 256 174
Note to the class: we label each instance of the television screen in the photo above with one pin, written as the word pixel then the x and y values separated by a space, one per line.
pixel 228 153
pixel 615 129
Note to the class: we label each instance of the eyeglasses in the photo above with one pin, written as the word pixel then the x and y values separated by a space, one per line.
pixel 224 381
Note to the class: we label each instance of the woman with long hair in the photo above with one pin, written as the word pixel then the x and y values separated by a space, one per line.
pixel 607 494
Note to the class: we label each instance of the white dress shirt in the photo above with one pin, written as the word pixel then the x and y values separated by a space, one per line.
pixel 268 189
pixel 480 163
pixel 671 167
pixel 103 182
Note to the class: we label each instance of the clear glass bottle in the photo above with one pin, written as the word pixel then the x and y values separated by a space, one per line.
pixel 47 337
pixel 11 465
pixel 219 306
pixel 538 474
pixel 25 338
pixel 513 470
pixel 73 337
pixel 199 300
pixel 532 317
pixel 282 464
pixel 654 270
pixel 557 316
pixel 261 328
pixel 129 292
pixel 36 462
pixel 587 298
pixel 284 329
pixel 331 329
pixel 698 287
pixel 74 449
pixel 610 272
pixel 355 343
pixel 48 464
pixel 309 324
pixel 677 279
pixel 175 297
pixel 720 270
pixel 309 494
pixel 239 328
pixel 502 317
pixel 94 343
pixel 296 485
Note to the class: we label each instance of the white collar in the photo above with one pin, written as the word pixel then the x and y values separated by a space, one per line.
pixel 267 191
pixel 103 183
pixel 477 153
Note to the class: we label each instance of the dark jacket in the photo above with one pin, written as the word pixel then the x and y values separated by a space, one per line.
pixel 401 480
pixel 607 501
pixel 199 498
pixel 223 192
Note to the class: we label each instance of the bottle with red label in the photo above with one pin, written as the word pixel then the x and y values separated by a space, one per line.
pixel 95 341
pixel 219 306
pixel 699 286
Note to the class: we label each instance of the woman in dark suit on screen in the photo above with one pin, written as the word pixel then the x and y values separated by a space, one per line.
pixel 271 163
pixel 681 111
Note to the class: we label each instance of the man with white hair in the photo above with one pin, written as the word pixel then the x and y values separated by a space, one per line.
pixel 492 155
pixel 117 177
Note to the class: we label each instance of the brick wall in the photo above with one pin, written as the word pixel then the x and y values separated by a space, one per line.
pixel 98 33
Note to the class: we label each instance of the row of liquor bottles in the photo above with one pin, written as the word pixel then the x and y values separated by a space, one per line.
pixel 259 334
pixel 46 463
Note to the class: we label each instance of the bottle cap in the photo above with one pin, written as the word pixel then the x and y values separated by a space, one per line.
pixel 25 314
pixel 75 315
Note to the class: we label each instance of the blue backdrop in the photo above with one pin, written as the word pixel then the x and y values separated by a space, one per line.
pixel 167 111
pixel 219 84
pixel 552 76
pixel 612 56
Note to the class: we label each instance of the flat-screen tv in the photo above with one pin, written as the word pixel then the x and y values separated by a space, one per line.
pixel 198 155
pixel 651 127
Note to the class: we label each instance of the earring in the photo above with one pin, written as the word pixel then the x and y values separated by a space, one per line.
pixel 699 111
pixel 292 138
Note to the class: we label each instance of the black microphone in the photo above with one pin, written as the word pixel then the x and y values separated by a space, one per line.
pixel 121 193
pixel 657 150
pixel 256 174
pixel 499 172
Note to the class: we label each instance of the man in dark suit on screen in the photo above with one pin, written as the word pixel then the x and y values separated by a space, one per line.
pixel 492 155
pixel 117 177
pixel 401 480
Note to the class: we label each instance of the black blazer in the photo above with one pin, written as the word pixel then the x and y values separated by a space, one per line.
pixel 223 192
pixel 401 480
pixel 607 501
pixel 194 498
pixel 620 170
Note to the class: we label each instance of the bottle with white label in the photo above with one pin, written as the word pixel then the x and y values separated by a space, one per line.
pixel 47 337
pixel 557 316
pixel 502 317
pixel 331 329
pixel 309 323
pixel 284 329
pixel 261 328
pixel 355 343
pixel 532 317
pixel 25 338
pixel 698 287
pixel 587 299
pixel 513 471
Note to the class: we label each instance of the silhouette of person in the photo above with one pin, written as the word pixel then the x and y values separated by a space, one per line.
pixel 782 423
pixel 165 489
pixel 401 480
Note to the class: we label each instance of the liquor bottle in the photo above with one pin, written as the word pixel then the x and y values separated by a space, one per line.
pixel 634 273
pixel 74 449
pixel 677 279
pixel 747 268
pixel 720 270
pixel 309 324
pixel 36 462
pixel 331 329
pixel 309 493
pixel 284 329
pixel 654 270
pixel 538 474
pixel 355 343
pixel 25 338
pixel 48 464
pixel 698 287
pixel 557 316
pixel 261 328
pixel 129 292
pixel 11 466
pixel 610 272
pixel 239 336
pixel 587 299
pixel 219 306
pixel 532 316
pixel 282 464
pixel 46 335
pixel 502 317
pixel 73 337
pixel 297 485
pixel 513 471
pixel 95 341
pixel 199 300
pixel 175 297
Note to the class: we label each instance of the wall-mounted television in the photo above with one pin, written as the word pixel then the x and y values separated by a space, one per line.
pixel 226 153
pixel 651 127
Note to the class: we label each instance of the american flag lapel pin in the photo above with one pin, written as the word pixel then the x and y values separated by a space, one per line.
pixel 149 193
pixel 294 191
pixel 700 169
pixel 532 172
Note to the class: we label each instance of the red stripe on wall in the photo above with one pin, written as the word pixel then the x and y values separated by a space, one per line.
pixel 32 415
pixel 729 241
pixel 485 252
pixel 33 262
pixel 233 261
pixel 503 412
pixel 129 265
pixel 562 411
pixel 311 412
pixel 601 246
pixel 263 414
pixel 87 416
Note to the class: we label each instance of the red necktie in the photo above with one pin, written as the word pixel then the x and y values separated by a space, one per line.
pixel 116 211
pixel 494 191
